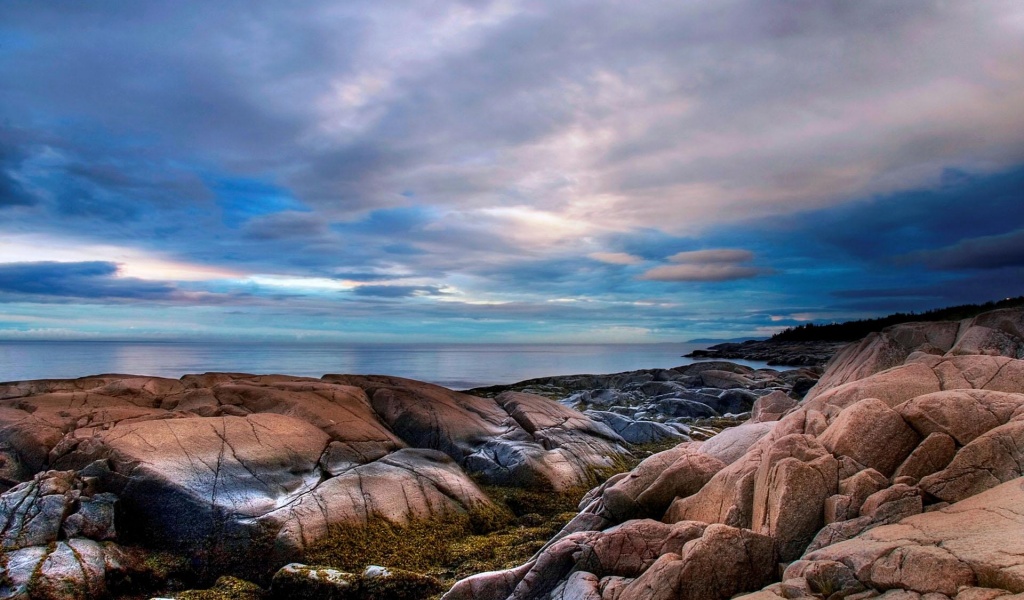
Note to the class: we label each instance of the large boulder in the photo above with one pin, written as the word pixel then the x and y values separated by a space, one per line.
pixel 652 486
pixel 872 434
pixel 790 488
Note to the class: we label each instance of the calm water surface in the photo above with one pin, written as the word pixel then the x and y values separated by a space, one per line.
pixel 457 366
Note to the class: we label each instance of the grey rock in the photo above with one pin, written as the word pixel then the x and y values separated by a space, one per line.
pixel 637 432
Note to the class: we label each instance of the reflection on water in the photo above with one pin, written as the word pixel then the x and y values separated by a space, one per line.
pixel 456 366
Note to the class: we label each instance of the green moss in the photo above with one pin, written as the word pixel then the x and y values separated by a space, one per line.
pixel 227 588
pixel 507 534
pixel 400 585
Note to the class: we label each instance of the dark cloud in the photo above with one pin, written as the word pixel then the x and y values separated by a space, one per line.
pixel 986 252
pixel 78 280
pixel 12 193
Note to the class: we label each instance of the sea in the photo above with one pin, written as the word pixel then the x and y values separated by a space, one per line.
pixel 456 366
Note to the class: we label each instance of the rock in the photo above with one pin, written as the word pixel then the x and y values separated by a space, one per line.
pixel 732 443
pixel 872 434
pixel 378 583
pixel 648 490
pixel 771 407
pixel 94 519
pixel 878 352
pixel 681 407
pixel 774 352
pixel 989 460
pixel 931 455
pixel 893 503
pixel 961 414
pixel 727 498
pixel 69 570
pixel 735 401
pixel 407 485
pixel 560 448
pixel 994 332
pixel 725 380
pixel 699 368
pixel 213 477
pixel 20 566
pixel 860 486
pixel 893 387
pixel 297 580
pixel 718 565
pixel 629 549
pixel 29 517
pixel 977 540
pixel 579 586
pixel 790 488
pixel 636 432
pixel 493 584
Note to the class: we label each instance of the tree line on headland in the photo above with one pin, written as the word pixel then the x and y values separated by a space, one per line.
pixel 854 330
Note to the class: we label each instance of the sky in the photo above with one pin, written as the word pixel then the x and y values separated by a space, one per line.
pixel 503 171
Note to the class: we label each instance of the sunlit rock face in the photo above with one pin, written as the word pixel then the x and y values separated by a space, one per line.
pixel 897 476
pixel 243 473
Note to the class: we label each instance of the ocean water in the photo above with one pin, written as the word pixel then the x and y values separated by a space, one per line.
pixel 457 366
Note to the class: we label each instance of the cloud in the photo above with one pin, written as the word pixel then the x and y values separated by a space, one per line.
pixel 708 272
pixel 616 258
pixel 79 280
pixel 518 151
pixel 398 291
pixel 286 225
pixel 985 252
pixel 720 264
pixel 12 193
pixel 712 257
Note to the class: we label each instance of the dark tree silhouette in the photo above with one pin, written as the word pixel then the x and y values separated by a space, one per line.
pixel 855 330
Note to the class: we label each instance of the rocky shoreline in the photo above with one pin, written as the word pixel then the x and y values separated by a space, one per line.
pixel 117 485
pixel 893 473
pixel 775 353
pixel 898 476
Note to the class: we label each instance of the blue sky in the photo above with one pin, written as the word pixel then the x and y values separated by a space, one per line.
pixel 503 171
